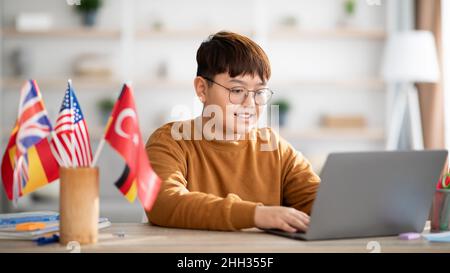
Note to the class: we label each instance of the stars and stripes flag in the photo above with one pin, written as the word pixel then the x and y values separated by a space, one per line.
pixel 27 163
pixel 70 145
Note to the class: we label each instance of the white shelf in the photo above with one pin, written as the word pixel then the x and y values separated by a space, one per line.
pixel 370 83
pixel 374 134
pixel 164 84
pixel 280 33
pixel 14 84
pixel 96 132
pixel 283 33
pixel 91 33
pixel 169 84
pixel 196 33
pixel 374 83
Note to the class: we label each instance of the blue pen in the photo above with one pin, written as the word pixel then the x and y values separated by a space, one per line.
pixel 47 240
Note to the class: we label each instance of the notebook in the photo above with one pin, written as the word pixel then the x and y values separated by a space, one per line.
pixel 51 220
pixel 12 219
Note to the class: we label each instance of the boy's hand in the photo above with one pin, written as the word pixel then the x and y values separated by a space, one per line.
pixel 284 218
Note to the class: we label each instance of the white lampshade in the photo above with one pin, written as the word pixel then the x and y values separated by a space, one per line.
pixel 410 57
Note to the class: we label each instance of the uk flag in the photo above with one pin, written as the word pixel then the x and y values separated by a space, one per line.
pixel 31 130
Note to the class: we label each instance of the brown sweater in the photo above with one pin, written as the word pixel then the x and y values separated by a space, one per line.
pixel 216 185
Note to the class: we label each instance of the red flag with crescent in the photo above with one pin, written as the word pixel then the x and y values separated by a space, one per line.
pixel 124 135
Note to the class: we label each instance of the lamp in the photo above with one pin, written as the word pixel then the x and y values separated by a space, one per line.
pixel 409 57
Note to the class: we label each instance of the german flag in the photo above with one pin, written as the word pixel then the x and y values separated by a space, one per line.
pixel 127 185
pixel 124 135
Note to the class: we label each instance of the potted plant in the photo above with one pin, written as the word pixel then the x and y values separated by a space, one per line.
pixel 289 21
pixel 349 12
pixel 349 6
pixel 89 10
pixel 105 106
pixel 283 108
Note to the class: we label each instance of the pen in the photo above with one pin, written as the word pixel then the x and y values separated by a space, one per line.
pixel 47 240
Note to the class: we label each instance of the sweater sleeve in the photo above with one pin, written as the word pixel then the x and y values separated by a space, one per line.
pixel 300 182
pixel 176 206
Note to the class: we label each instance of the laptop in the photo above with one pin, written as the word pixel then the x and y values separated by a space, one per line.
pixel 367 194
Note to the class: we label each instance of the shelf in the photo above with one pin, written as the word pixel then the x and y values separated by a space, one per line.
pixel 97 83
pixel 374 134
pixel 164 84
pixel 93 33
pixel 281 33
pixel 183 33
pixel 169 84
pixel 95 132
pixel 14 84
pixel 371 83
pixel 374 83
pixel 369 134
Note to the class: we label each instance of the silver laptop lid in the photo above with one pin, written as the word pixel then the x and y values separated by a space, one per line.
pixel 375 193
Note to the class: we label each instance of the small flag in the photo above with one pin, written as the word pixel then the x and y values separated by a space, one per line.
pixel 124 135
pixel 444 182
pixel 27 163
pixel 72 146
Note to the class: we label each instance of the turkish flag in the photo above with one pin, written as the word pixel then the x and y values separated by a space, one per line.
pixel 124 135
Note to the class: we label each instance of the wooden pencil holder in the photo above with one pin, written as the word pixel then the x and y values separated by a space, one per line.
pixel 79 205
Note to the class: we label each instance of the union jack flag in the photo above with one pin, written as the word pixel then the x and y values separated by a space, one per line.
pixel 32 126
pixel 72 146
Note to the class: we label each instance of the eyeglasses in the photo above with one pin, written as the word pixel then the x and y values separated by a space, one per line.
pixel 237 95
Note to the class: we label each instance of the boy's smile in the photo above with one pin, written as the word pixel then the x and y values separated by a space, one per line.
pixel 235 97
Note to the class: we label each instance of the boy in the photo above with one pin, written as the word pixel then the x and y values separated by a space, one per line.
pixel 217 170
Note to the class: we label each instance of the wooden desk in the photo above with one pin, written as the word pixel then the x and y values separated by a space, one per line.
pixel 146 238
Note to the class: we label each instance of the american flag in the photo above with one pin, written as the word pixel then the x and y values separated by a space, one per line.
pixel 72 146
pixel 32 126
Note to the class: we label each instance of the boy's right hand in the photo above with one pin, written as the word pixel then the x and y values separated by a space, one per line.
pixel 278 217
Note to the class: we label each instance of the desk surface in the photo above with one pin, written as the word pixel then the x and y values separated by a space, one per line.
pixel 146 238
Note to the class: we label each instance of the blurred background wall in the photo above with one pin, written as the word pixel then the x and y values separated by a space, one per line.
pixel 325 56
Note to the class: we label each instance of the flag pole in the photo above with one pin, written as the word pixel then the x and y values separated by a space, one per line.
pixel 98 151
pixel 72 116
pixel 16 181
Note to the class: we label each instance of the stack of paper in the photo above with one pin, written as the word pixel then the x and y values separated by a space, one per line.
pixel 47 220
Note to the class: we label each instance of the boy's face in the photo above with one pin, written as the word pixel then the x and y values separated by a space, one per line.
pixel 239 116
